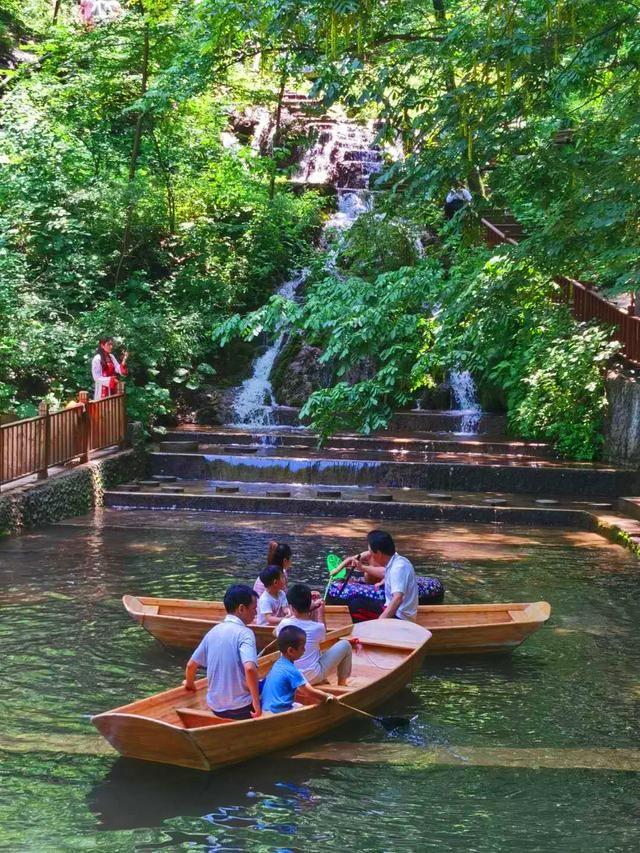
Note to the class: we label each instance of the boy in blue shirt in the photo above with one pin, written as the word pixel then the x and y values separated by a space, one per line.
pixel 284 679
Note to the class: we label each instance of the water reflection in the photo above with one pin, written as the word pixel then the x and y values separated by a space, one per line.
pixel 138 794
pixel 69 650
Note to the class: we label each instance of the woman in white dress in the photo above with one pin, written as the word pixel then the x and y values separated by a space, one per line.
pixel 106 369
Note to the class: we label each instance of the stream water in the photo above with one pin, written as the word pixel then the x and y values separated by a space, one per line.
pixel 536 751
pixel 253 404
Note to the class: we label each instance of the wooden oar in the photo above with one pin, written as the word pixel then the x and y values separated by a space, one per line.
pixel 388 723
pixel 268 646
pixel 325 644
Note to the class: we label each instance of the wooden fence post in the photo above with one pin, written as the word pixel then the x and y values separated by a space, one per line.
pixel 43 412
pixel 122 416
pixel 83 398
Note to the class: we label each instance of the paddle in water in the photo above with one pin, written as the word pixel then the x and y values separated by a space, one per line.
pixel 389 723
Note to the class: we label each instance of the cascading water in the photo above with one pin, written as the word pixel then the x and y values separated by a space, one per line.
pixel 253 404
pixel 465 399
pixel 342 155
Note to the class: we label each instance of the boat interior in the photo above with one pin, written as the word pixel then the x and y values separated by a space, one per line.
pixel 373 658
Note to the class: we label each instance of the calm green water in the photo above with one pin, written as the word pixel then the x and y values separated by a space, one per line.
pixel 68 650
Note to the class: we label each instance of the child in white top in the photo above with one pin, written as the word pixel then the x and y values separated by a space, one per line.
pixel 272 604
pixel 316 666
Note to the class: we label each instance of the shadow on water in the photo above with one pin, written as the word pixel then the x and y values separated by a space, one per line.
pixel 137 794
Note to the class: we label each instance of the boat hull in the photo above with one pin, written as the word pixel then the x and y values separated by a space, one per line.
pixel 459 629
pixel 152 730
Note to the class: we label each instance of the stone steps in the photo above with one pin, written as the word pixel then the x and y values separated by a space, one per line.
pixel 536 477
pixel 428 442
pixel 485 512
pixel 360 493
pixel 414 421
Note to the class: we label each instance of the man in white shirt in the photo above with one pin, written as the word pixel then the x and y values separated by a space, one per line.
pixel 228 651
pixel 383 563
pixel 457 197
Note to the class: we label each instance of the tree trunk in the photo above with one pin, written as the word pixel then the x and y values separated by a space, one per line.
pixel 168 182
pixel 135 152
pixel 441 20
pixel 276 132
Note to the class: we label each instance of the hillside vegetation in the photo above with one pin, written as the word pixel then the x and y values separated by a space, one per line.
pixel 121 209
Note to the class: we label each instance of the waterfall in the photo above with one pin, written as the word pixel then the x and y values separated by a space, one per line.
pixel 465 398
pixel 343 155
pixel 253 403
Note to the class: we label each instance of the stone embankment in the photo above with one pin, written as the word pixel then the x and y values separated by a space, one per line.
pixel 622 427
pixel 74 491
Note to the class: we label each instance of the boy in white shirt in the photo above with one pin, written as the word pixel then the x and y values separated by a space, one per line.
pixel 314 665
pixel 272 604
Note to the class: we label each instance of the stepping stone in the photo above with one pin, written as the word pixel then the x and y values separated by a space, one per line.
pixel 178 446
pixel 227 490
pixel 128 487
pixel 380 498
pixel 164 478
pixel 149 484
pixel 328 493
pixel 272 493
pixel 440 496
pixel 175 490
pixel 546 502
pixel 495 501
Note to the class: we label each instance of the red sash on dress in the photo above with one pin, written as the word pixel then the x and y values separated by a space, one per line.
pixel 109 369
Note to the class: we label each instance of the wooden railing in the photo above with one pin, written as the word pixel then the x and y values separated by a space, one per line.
pixel 34 445
pixel 108 422
pixel 584 302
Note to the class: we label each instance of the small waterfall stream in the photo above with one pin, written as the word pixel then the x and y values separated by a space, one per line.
pixel 465 398
pixel 253 404
pixel 343 155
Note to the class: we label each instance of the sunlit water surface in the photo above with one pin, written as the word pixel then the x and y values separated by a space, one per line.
pixel 69 650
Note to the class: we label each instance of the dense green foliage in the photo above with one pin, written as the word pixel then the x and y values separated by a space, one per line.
pixel 466 85
pixel 121 210
pixel 151 247
pixel 479 93
pixel 502 319
pixel 494 314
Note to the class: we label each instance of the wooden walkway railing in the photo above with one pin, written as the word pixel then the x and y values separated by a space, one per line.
pixel 34 445
pixel 584 302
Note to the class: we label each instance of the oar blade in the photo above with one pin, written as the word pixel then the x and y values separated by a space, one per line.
pixel 333 561
pixel 390 724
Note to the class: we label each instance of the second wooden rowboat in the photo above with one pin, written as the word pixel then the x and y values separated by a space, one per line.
pixel 456 628
pixel 176 727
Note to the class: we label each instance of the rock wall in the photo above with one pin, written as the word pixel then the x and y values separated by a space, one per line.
pixel 622 424
pixel 72 492
pixel 297 373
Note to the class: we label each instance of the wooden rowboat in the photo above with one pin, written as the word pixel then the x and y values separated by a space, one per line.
pixel 457 628
pixel 175 727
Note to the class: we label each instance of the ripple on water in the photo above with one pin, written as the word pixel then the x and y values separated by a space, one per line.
pixel 69 650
